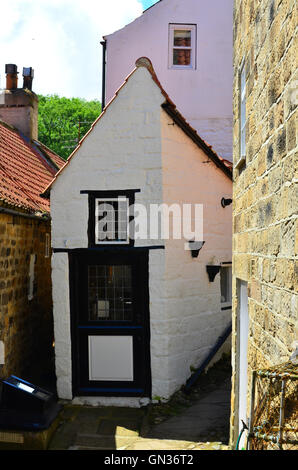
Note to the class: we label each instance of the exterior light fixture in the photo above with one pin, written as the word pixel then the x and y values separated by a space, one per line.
pixel 212 270
pixel 195 247
pixel 226 202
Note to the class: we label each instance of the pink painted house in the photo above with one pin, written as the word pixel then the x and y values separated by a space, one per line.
pixel 190 44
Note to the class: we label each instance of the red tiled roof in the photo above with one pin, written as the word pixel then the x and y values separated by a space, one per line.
pixel 26 169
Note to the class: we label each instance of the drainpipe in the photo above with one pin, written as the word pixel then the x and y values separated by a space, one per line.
pixel 5 210
pixel 202 367
pixel 103 89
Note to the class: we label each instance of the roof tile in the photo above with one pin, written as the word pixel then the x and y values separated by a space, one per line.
pixel 24 171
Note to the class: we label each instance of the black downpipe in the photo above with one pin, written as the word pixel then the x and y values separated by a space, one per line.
pixel 103 86
pixel 218 344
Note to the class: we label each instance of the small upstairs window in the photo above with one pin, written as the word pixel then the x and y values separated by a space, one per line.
pixel 182 46
pixel 111 217
pixel 111 220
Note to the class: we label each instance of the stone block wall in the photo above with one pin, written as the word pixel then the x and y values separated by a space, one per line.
pixel 265 196
pixel 26 326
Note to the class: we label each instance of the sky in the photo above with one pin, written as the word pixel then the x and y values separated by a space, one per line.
pixel 60 39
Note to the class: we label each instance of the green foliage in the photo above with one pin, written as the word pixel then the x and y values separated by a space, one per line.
pixel 62 122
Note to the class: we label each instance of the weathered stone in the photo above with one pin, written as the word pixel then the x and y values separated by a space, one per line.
pixel 271 136
pixel 25 327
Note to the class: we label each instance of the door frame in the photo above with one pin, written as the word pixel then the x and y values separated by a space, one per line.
pixel 242 356
pixel 75 256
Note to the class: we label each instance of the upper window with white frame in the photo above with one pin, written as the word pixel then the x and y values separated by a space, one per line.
pixel 182 46
pixel 111 216
pixel 111 220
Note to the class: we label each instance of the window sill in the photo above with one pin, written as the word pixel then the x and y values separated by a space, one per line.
pixel 181 67
pixel 107 243
pixel 226 307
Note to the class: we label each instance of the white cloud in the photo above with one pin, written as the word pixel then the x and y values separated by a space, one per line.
pixel 60 39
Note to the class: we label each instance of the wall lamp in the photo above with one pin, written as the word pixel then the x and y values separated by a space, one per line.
pixel 226 202
pixel 195 247
pixel 212 270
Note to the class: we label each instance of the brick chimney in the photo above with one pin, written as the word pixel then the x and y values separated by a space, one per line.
pixel 19 106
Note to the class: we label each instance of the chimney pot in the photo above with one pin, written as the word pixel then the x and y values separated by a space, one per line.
pixel 11 68
pixel 11 71
pixel 28 74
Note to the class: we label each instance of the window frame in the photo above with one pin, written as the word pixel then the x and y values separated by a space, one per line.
pixel 106 194
pixel 193 29
pixel 111 199
pixel 242 114
pixel 226 305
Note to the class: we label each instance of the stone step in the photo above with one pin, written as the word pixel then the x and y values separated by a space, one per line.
pixel 102 441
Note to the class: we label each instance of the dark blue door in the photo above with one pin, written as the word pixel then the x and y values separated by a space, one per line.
pixel 110 327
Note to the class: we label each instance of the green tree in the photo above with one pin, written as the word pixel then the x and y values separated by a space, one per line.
pixel 62 122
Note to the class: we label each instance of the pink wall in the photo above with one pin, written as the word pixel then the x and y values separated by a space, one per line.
pixel 204 95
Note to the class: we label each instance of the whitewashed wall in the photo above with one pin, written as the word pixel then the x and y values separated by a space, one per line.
pixel 123 151
pixel 193 310
pixel 61 307
pixel 204 95
pixel 133 146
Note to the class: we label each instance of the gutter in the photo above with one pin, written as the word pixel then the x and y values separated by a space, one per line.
pixel 5 210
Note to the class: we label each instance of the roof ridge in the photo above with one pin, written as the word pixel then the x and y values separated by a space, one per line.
pixel 50 150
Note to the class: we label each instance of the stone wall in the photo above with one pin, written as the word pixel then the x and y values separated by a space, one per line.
pixel 26 327
pixel 265 189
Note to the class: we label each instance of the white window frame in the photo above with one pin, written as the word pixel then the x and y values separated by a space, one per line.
pixel 228 303
pixel 242 115
pixel 193 41
pixel 111 199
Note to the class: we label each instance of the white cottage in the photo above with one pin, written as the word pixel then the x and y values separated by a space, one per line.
pixel 133 315
pixel 190 43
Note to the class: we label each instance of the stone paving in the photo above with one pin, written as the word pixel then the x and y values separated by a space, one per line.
pixel 199 421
